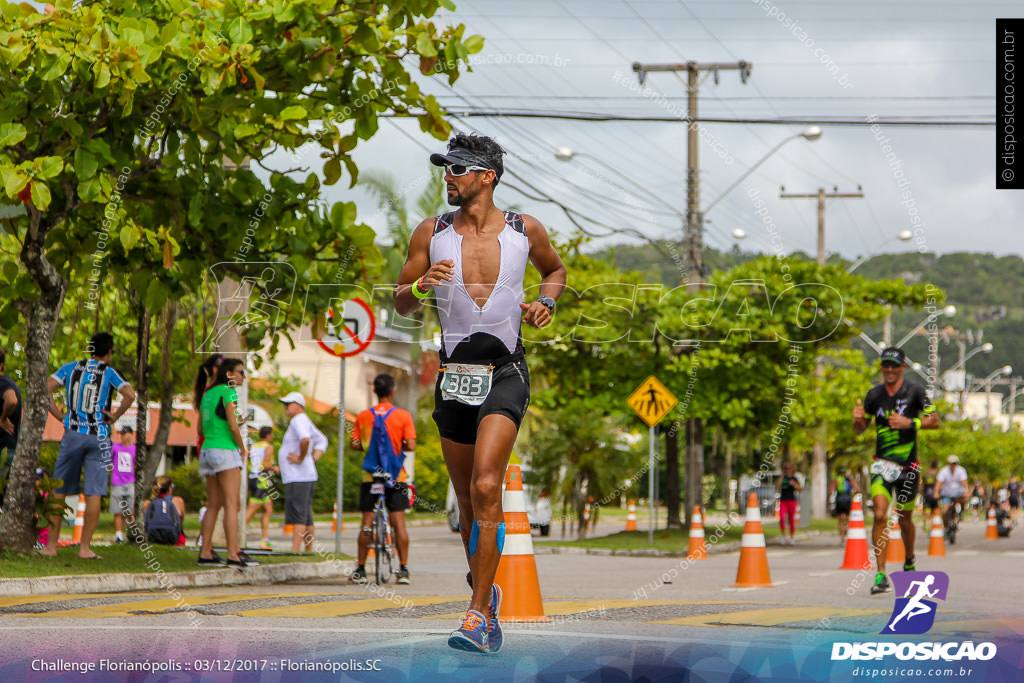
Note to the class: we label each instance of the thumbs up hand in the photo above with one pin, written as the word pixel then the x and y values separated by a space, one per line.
pixel 858 411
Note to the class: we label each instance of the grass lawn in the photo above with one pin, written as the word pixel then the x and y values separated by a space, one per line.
pixel 675 540
pixel 119 559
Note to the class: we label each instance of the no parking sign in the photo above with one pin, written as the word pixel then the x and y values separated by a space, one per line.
pixel 350 328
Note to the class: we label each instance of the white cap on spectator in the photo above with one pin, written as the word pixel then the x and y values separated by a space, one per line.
pixel 295 397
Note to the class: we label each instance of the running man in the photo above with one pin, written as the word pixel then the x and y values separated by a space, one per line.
pixel 473 260
pixel 844 489
pixel 899 408
pixel 914 606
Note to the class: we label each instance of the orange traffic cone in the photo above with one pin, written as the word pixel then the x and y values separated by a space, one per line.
pixel 991 531
pixel 936 541
pixel 897 553
pixel 697 550
pixel 856 539
pixel 334 520
pixel 517 569
pixel 631 517
pixel 76 535
pixel 753 569
pixel 586 517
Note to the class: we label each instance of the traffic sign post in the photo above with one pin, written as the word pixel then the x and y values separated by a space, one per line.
pixel 652 401
pixel 349 333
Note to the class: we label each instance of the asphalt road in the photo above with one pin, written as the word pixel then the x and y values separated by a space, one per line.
pixel 612 618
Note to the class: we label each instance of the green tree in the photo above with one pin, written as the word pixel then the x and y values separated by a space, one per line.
pixel 125 132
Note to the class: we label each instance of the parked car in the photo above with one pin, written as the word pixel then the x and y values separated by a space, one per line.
pixel 538 506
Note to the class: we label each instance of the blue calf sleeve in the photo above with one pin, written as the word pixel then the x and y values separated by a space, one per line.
pixel 474 537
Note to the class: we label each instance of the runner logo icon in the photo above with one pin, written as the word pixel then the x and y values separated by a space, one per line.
pixel 914 613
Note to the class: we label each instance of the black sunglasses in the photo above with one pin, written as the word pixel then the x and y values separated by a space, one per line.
pixel 458 170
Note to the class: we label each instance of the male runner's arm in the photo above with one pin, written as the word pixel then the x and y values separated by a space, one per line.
pixel 552 271
pixel 417 266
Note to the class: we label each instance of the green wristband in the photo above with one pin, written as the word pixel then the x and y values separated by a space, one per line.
pixel 917 423
pixel 417 292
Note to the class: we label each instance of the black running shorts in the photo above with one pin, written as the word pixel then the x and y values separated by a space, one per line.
pixel 509 396
pixel 396 499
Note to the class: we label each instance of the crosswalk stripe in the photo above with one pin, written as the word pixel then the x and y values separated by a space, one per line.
pixel 341 608
pixel 770 617
pixel 158 603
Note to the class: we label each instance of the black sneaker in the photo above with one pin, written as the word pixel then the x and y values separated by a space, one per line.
pixel 213 559
pixel 243 560
pixel 910 565
pixel 402 577
pixel 881 584
pixel 357 576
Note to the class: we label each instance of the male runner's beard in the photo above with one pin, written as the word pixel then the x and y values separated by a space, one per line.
pixel 454 196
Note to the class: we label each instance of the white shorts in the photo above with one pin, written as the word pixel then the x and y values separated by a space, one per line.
pixel 214 460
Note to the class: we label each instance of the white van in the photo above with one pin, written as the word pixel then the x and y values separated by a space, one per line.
pixel 538 506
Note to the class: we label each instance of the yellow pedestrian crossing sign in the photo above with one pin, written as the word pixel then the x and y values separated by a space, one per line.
pixel 652 401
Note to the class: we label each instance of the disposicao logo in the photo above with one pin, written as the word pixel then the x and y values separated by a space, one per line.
pixel 914 614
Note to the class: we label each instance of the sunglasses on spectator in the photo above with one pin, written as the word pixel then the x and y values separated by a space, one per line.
pixel 457 170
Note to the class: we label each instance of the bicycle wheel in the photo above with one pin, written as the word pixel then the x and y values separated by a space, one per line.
pixel 387 555
pixel 952 533
pixel 379 548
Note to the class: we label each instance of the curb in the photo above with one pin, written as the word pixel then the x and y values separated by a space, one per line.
pixel 120 583
pixel 713 549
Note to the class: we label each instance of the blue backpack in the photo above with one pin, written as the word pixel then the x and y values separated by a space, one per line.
pixel 162 521
pixel 380 454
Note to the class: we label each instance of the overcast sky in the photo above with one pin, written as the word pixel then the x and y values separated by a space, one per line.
pixel 817 60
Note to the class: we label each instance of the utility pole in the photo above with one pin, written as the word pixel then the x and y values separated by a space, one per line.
pixel 693 258
pixel 819 458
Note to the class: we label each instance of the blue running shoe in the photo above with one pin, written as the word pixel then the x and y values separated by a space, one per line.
pixel 494 637
pixel 472 635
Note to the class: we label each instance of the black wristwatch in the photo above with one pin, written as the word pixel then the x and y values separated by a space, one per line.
pixel 549 302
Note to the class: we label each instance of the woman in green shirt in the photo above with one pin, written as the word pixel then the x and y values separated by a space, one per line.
pixel 221 458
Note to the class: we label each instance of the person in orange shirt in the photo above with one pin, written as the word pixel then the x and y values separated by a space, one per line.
pixel 400 428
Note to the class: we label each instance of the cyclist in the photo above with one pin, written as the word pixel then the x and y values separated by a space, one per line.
pixel 844 489
pixel 1014 490
pixel 400 428
pixel 951 488
pixel 898 408
pixel 929 503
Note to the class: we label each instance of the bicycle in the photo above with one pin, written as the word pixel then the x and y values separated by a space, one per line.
pixel 952 522
pixel 381 541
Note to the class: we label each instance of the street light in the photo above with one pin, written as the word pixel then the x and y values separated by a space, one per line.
pixel 1005 370
pixel 904 236
pixel 811 133
pixel 984 348
pixel 947 311
pixel 568 153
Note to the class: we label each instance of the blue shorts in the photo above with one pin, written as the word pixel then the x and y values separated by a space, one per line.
pixel 83 450
pixel 214 460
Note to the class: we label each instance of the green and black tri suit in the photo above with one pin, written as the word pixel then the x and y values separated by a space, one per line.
pixel 897 445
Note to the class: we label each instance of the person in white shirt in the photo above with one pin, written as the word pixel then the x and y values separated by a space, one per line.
pixel 951 486
pixel 298 471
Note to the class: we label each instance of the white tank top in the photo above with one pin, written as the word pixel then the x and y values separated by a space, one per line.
pixel 476 333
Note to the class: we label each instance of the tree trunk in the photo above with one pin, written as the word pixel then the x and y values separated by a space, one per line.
pixel 142 396
pixel 17 526
pixel 144 483
pixel 672 477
